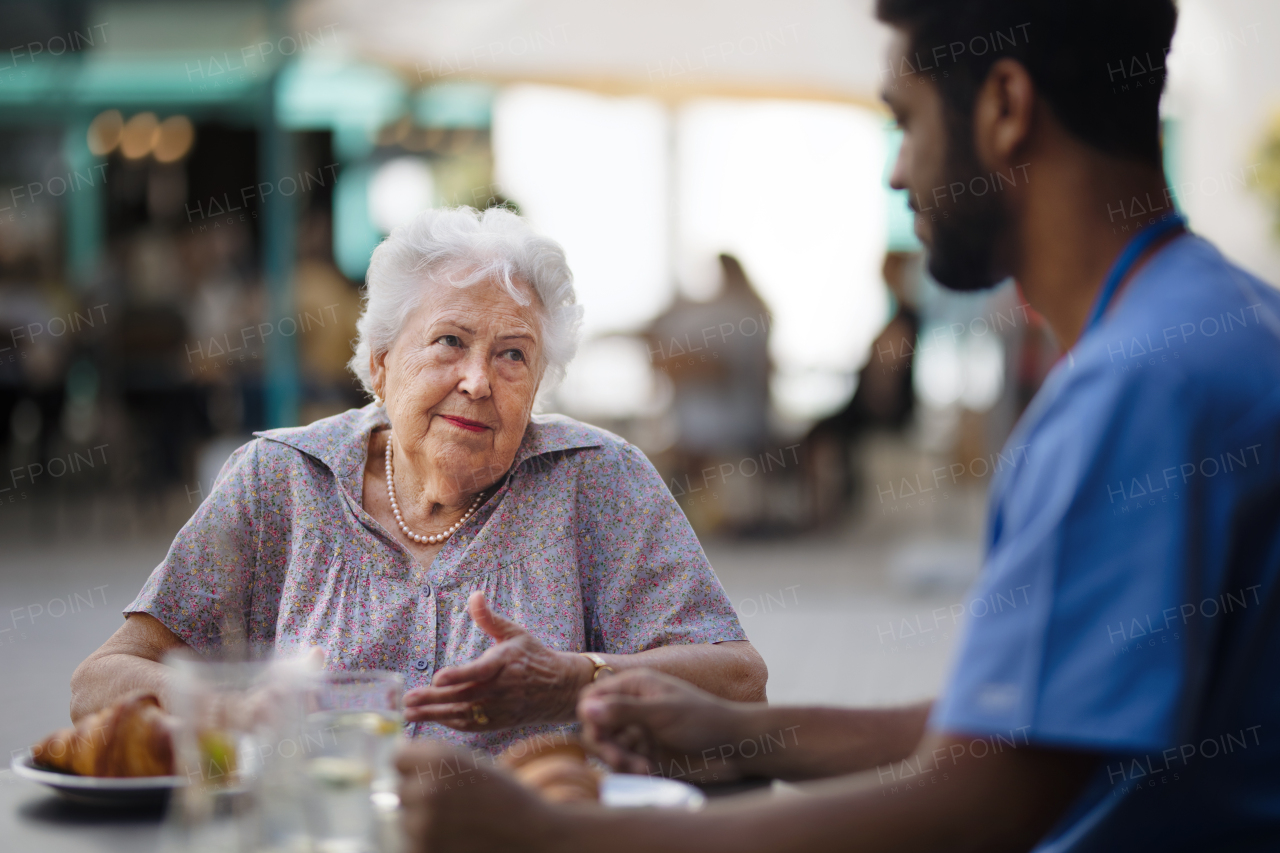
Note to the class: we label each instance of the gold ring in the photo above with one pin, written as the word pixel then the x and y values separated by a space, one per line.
pixel 478 714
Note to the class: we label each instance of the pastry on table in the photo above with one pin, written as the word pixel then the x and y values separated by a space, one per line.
pixel 131 737
pixel 556 767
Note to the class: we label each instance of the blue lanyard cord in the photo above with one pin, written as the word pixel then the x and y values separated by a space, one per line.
pixel 1121 268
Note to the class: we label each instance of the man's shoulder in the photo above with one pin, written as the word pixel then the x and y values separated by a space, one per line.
pixel 1178 371
pixel 1192 295
pixel 1193 326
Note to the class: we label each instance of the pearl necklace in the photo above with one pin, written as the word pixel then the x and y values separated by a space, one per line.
pixel 395 508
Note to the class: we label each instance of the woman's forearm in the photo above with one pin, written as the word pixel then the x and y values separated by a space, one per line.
pixel 128 660
pixel 102 679
pixel 731 670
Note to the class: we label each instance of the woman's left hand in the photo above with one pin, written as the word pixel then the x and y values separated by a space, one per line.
pixel 517 682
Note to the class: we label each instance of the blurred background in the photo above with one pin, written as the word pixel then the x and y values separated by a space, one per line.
pixel 190 191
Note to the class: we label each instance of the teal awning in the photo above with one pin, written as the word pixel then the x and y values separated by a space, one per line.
pixel 321 93
pixel 454 105
pixel 55 89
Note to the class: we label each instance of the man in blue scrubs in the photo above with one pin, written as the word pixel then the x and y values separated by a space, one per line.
pixel 1127 697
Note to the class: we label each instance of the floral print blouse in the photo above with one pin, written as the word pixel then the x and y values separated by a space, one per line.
pixel 583 545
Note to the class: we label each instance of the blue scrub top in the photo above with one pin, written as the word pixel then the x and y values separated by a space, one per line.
pixel 1130 597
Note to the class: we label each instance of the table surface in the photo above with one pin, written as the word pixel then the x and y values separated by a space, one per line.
pixel 34 819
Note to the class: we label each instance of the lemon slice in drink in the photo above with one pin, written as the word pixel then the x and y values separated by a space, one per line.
pixel 336 772
pixel 378 725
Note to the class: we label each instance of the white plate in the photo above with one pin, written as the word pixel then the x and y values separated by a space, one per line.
pixel 99 790
pixel 629 791
pixel 617 790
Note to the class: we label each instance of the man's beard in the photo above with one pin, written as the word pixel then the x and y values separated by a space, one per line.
pixel 963 254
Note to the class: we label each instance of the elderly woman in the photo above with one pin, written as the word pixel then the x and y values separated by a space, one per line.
pixel 500 561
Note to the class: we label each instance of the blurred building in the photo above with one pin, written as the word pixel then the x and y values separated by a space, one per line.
pixel 190 196
pixel 190 191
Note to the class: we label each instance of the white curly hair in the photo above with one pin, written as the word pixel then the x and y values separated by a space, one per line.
pixel 459 247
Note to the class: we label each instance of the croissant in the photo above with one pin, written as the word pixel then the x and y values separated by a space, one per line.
pixel 558 771
pixel 131 737
pixel 560 780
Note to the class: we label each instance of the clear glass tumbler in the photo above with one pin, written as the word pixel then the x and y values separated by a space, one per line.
pixel 352 724
pixel 238 742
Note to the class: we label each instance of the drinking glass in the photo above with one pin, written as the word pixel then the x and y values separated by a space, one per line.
pixel 237 741
pixel 352 724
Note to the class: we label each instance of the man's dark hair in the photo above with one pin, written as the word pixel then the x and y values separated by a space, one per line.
pixel 1099 64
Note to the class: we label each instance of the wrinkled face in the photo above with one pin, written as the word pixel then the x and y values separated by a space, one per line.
pixel 460 380
pixel 939 168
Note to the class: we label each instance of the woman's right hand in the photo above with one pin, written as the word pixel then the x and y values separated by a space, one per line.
pixel 643 721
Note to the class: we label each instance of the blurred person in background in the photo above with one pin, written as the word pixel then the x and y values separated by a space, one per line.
pixel 716 355
pixel 1120 685
pixel 393 536
pixel 884 398
pixel 325 293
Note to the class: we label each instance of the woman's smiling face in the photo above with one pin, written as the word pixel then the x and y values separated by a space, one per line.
pixel 459 383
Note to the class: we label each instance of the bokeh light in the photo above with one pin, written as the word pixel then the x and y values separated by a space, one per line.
pixel 175 138
pixel 400 189
pixel 140 135
pixel 105 131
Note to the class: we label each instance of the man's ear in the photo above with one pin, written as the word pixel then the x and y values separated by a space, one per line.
pixel 1004 115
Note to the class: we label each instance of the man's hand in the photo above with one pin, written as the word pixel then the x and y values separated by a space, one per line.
pixel 453 804
pixel 517 682
pixel 642 721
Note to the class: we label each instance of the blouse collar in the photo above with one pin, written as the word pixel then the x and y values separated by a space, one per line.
pixel 341 442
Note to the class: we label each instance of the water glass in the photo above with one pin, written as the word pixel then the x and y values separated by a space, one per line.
pixel 352 724
pixel 238 742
